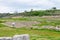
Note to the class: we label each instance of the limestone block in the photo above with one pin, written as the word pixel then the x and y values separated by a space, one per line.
pixel 5 38
pixel 21 37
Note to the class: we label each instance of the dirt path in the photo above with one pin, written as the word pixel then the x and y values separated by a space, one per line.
pixel 21 24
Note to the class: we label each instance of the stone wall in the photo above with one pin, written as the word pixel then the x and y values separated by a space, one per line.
pixel 16 37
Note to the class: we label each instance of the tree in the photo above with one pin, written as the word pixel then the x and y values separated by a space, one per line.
pixel 54 8
pixel 31 12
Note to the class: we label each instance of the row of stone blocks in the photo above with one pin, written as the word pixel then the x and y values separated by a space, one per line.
pixel 16 37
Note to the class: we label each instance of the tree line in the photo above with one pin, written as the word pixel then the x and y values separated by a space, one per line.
pixel 49 12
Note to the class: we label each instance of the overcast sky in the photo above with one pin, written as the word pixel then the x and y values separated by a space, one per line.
pixel 21 5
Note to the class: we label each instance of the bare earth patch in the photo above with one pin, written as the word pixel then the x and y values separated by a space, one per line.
pixel 21 23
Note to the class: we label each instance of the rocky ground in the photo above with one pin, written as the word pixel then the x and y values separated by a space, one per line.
pixel 21 24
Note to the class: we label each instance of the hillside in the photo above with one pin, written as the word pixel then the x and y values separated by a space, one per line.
pixel 32 13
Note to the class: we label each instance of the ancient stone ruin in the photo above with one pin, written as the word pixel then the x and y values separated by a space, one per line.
pixel 16 37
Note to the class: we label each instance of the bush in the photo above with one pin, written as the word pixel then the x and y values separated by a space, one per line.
pixel 2 21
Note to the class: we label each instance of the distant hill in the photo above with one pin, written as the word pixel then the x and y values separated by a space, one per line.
pixel 33 13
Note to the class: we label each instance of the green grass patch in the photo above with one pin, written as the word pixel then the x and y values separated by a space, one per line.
pixel 34 34
pixel 2 25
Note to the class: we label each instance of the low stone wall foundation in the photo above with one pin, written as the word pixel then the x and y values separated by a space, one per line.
pixel 16 37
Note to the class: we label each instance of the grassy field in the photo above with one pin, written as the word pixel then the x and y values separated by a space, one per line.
pixel 43 21
pixel 35 34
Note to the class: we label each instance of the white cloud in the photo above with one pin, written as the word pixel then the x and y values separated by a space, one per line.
pixel 43 3
pixel 34 2
pixel 12 5
pixel 4 9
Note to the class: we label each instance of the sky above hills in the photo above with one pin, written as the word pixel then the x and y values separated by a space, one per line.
pixel 22 5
